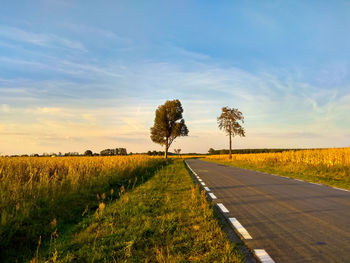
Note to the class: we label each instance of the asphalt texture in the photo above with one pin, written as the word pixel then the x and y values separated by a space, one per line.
pixel 294 221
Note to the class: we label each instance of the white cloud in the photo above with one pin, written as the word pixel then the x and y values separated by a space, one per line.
pixel 39 39
pixel 72 115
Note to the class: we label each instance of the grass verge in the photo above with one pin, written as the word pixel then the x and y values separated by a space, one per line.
pixel 167 219
pixel 336 176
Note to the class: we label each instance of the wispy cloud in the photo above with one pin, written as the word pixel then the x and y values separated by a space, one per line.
pixel 279 112
pixel 39 39
pixel 98 32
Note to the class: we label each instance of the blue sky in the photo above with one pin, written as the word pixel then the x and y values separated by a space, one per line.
pixel 77 75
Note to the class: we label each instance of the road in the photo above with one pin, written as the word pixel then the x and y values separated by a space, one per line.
pixel 291 220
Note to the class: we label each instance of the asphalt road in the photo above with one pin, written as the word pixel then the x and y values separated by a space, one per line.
pixel 293 221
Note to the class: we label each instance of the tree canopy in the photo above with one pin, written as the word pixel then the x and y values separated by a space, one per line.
pixel 168 124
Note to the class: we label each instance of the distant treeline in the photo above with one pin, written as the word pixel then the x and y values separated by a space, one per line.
pixel 105 152
pixel 245 151
pixel 116 151
pixel 123 151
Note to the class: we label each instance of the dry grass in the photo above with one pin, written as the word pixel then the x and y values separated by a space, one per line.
pixel 35 191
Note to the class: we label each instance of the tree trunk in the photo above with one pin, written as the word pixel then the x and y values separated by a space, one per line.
pixel 230 146
pixel 166 150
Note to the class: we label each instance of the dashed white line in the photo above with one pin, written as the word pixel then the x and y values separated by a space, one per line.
pixel 202 183
pixel 212 196
pixel 240 228
pixel 263 256
pixel 207 189
pixel 341 189
pixel 200 180
pixel 315 183
pixel 223 208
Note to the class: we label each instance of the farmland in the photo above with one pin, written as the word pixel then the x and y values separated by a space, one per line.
pixel 39 194
pixel 96 209
pixel 326 166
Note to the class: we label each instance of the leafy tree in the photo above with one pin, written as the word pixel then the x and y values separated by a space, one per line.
pixel 107 152
pixel 121 151
pixel 88 153
pixel 178 151
pixel 211 151
pixel 228 121
pixel 168 124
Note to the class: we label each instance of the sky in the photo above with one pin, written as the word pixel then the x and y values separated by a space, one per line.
pixel 78 75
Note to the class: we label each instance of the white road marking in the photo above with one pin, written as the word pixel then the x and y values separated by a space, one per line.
pixel 199 179
pixel 263 256
pixel 341 189
pixel 207 189
pixel 212 196
pixel 315 183
pixel 240 228
pixel 191 169
pixel 223 208
pixel 299 180
pixel 202 183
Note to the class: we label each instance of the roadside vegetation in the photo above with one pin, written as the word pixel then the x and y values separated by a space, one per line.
pixel 106 209
pixel 326 166
pixel 167 219
pixel 38 195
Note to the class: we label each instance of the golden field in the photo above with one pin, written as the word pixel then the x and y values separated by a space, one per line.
pixel 34 191
pixel 324 157
pixel 329 166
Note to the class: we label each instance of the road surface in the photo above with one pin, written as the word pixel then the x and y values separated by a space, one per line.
pixel 290 220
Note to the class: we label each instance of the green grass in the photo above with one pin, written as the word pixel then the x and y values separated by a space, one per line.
pixel 167 219
pixel 335 176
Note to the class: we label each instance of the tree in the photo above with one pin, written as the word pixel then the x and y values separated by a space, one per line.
pixel 88 153
pixel 228 121
pixel 211 151
pixel 177 151
pixel 168 124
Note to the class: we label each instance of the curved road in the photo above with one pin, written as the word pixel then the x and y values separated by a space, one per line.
pixel 293 221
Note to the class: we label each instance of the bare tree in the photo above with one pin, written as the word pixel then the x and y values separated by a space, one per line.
pixel 228 121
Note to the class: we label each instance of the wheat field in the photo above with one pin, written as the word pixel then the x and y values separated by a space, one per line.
pixel 35 191
pixel 329 166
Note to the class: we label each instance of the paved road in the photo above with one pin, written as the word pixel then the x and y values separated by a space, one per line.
pixel 293 221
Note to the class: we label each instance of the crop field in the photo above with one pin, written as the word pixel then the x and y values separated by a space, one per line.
pixel 106 209
pixel 39 194
pixel 327 166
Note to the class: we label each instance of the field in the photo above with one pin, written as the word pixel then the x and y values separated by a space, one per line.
pixel 39 194
pixel 130 208
pixel 326 166
pixel 106 209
